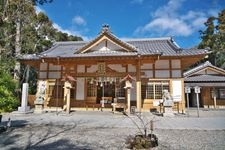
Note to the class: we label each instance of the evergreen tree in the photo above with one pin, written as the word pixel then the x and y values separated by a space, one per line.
pixel 213 37
pixel 23 31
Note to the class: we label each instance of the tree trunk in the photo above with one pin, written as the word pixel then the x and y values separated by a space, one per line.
pixel 17 49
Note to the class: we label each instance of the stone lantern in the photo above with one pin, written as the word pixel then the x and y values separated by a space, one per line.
pixel 67 87
pixel 128 85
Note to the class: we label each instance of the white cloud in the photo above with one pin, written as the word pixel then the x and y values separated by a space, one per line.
pixel 169 25
pixel 79 20
pixel 167 21
pixel 137 1
pixel 70 32
pixel 169 10
pixel 38 10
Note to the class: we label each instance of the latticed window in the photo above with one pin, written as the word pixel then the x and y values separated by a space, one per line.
pixel 150 91
pixel 120 91
pixel 91 90
pixel 56 90
pixel 153 90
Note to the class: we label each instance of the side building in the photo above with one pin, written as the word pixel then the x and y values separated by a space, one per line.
pixel 97 67
pixel 211 81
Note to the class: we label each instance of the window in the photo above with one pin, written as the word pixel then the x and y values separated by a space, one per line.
pixel 220 93
pixel 153 90
pixel 120 91
pixel 54 90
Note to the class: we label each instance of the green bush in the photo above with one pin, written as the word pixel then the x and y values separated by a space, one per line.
pixel 8 99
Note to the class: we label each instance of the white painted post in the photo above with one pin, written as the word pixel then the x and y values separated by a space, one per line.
pixel 197 104
pixel 187 104
pixel 214 98
pixel 128 101
pixel 197 91
pixel 24 108
pixel 68 101
pixel 187 91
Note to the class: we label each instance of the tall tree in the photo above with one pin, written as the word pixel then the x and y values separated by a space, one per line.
pixel 213 37
pixel 23 31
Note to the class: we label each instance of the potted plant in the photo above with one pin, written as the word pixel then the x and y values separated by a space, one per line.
pixel 142 140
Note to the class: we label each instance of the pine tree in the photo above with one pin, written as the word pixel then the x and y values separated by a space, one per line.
pixel 213 37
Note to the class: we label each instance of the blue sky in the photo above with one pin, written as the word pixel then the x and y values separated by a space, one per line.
pixel 181 19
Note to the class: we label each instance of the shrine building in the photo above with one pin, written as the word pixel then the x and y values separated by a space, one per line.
pixel 95 70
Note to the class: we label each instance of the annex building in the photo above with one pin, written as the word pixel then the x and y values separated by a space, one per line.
pixel 95 68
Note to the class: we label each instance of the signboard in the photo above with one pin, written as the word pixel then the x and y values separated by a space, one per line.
pixel 177 90
pixel 101 68
pixel 197 89
pixel 187 89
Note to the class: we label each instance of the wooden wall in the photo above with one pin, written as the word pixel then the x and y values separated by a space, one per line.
pixel 207 101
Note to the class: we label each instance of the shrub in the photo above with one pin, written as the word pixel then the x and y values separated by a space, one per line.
pixel 8 99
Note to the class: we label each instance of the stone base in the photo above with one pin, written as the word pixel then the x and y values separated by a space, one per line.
pixel 38 109
pixel 168 112
pixel 24 109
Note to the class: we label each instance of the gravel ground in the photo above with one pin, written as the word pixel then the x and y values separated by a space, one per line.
pixel 103 130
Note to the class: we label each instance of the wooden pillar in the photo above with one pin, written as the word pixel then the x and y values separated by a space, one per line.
pixel 138 84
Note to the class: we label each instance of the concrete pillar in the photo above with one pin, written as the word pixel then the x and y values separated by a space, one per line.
pixel 138 95
pixel 24 108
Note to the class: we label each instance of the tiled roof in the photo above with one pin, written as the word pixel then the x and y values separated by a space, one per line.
pixel 205 78
pixel 201 67
pixel 162 46
pixel 149 46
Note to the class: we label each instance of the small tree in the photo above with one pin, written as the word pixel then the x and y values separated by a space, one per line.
pixel 142 139
pixel 8 99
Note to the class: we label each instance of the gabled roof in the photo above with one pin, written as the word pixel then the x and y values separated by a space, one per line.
pixel 107 35
pixel 205 66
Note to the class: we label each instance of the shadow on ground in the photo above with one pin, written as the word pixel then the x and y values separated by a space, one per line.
pixel 24 136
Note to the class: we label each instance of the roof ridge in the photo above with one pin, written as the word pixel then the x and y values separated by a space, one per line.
pixel 146 39
pixel 201 66
pixel 69 42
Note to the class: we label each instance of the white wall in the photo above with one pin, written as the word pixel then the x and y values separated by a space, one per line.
pixel 117 67
pixel 162 73
pixel 54 67
pixel 43 66
pixel 92 69
pixel 148 73
pixel 80 68
pixel 80 89
pixel 175 63
pixel 131 68
pixel 162 64
pixel 54 75
pixel 176 73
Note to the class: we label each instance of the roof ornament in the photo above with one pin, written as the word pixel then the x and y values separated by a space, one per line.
pixel 179 50
pixel 105 28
